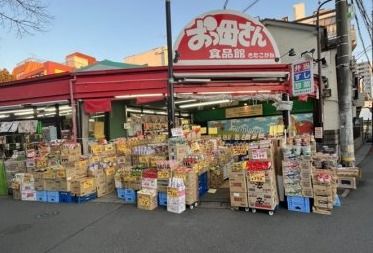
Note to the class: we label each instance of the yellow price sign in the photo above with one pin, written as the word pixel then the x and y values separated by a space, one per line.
pixel 172 192
pixel 257 176
pixel 163 174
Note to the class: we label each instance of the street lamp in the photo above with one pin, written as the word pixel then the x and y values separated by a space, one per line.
pixel 291 52
pixel 321 86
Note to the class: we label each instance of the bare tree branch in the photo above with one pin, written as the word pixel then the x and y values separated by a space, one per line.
pixel 24 16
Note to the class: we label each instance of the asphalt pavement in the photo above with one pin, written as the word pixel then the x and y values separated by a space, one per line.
pixel 115 227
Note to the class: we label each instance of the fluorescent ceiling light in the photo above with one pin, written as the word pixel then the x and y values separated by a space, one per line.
pixel 24 113
pixel 28 117
pixel 205 103
pixel 229 92
pixel 2 116
pixel 51 102
pixel 140 96
pixel 49 114
pixel 196 80
pixel 185 101
pixel 17 111
pixel 98 116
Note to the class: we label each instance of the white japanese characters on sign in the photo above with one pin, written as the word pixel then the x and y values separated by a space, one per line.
pixel 302 73
pixel 223 37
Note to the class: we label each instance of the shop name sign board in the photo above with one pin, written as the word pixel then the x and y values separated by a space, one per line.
pixel 244 111
pixel 225 37
pixel 302 78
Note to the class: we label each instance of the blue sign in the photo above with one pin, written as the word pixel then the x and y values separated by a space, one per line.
pixel 302 78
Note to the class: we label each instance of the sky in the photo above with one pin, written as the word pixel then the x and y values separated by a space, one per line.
pixel 114 29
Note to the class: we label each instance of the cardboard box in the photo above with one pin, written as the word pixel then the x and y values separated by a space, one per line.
pixel 65 173
pixel 16 194
pixel 49 174
pixel 239 199
pixel 28 195
pixel 261 187
pixel 216 179
pixel 101 188
pixel 147 199
pixel 347 182
pixel 51 185
pixel 39 184
pixel 83 186
pixel 149 183
pixel 63 185
pixel 237 181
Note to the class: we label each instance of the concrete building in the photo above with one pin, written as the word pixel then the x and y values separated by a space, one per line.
pixel 33 68
pixel 364 71
pixel 327 18
pixel 78 60
pixel 154 57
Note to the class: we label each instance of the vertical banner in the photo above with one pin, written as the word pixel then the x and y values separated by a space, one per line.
pixel 302 78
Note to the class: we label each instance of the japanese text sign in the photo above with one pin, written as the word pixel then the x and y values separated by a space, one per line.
pixel 302 78
pixel 225 37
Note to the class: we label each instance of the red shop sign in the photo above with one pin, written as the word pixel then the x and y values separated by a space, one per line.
pixel 225 37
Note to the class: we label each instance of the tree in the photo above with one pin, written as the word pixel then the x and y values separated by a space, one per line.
pixel 5 76
pixel 23 16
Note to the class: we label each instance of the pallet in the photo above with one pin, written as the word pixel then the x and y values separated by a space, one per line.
pixel 85 198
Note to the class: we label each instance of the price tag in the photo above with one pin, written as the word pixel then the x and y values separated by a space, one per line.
pixel 172 192
pixel 257 176
pixel 177 132
pixel 163 174
pixel 259 154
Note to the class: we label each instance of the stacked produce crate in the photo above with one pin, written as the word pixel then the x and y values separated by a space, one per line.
pixel 261 177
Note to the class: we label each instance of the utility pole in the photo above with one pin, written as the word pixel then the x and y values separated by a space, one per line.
pixel 344 84
pixel 170 80
pixel 371 76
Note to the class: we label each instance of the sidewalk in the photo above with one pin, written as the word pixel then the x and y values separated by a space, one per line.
pixel 362 152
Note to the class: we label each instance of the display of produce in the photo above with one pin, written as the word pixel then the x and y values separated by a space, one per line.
pixel 152 171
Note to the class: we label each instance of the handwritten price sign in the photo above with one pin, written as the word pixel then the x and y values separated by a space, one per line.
pixel 257 176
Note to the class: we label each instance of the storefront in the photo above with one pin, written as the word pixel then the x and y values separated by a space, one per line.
pixel 234 133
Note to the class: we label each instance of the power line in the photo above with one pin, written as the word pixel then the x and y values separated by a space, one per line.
pixel 368 23
pixel 251 5
pixel 361 39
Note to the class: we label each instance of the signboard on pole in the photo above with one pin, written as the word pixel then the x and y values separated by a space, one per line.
pixel 302 78
pixel 225 37
pixel 244 111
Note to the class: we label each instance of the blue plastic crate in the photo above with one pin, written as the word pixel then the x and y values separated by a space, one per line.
pixel 53 197
pixel 41 196
pixel 121 193
pixel 85 198
pixel 162 198
pixel 203 184
pixel 65 197
pixel 129 196
pixel 298 204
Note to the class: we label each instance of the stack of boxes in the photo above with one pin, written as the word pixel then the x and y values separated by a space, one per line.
pixel 306 176
pixel 261 177
pixel 348 177
pixel 176 195
pixel 292 177
pixel 325 190
pixel 238 185
pixel 23 187
pixel 190 178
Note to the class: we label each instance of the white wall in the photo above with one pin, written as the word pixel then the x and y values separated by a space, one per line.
pixel 301 41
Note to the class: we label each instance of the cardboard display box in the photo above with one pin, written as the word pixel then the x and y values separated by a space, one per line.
pixel 239 199
pixel 147 199
pixel 83 186
pixel 237 181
